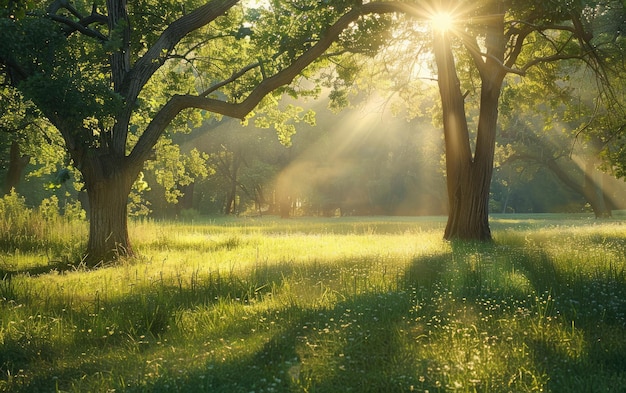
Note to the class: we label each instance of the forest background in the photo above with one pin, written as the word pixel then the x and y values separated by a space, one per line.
pixel 364 160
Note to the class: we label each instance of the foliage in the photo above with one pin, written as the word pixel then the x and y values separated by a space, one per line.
pixel 15 215
pixel 15 9
pixel 25 229
pixel 174 169
pixel 49 208
pixel 21 122
pixel 138 205
pixel 279 119
pixel 326 305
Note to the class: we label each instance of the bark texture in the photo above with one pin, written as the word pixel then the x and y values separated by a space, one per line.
pixel 108 215
pixel 469 176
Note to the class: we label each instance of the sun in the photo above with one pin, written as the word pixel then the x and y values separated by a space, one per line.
pixel 442 21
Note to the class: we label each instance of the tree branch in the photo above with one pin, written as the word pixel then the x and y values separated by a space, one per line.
pixel 477 55
pixel 284 77
pixel 153 59
pixel 233 77
pixel 82 22
pixel 79 26
pixel 548 59
pixel 518 45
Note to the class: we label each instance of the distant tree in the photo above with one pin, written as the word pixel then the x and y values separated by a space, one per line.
pixel 25 138
pixel 13 122
pixel 246 158
pixel 560 126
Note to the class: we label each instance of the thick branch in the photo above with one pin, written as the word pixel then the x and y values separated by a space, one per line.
pixel 82 22
pixel 284 77
pixel 479 57
pixel 80 26
pixel 518 45
pixel 152 60
pixel 120 58
pixel 131 82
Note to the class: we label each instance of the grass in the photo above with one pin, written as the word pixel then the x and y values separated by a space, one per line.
pixel 322 305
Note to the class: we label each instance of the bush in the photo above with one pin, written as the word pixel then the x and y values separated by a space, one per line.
pixel 74 212
pixel 49 208
pixel 26 229
pixel 15 216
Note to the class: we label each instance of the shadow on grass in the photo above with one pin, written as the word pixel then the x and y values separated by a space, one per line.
pixel 365 341
pixel 354 343
pixel 132 324
pixel 592 304
pixel 38 270
pixel 357 344
pixel 577 314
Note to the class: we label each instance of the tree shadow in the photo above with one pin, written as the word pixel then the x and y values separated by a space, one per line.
pixel 134 322
pixel 592 305
pixel 577 317
pixel 358 340
pixel 58 266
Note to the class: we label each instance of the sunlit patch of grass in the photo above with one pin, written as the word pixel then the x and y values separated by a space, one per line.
pixel 325 305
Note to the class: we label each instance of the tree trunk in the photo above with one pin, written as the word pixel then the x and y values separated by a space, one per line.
pixel 233 173
pixel 108 217
pixel 469 178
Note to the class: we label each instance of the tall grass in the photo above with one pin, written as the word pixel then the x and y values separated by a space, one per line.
pixel 324 305
pixel 30 233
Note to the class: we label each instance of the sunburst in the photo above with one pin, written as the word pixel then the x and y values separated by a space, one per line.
pixel 442 21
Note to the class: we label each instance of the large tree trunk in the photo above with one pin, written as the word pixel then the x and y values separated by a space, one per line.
pixel 469 178
pixel 108 215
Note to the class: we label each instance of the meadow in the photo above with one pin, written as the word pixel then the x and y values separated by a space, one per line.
pixel 371 304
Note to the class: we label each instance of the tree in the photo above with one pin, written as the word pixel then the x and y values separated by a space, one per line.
pixel 112 79
pixel 25 139
pixel 565 125
pixel 544 140
pixel 501 39
pixel 14 119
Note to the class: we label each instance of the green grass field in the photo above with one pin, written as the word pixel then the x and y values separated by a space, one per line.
pixel 319 305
